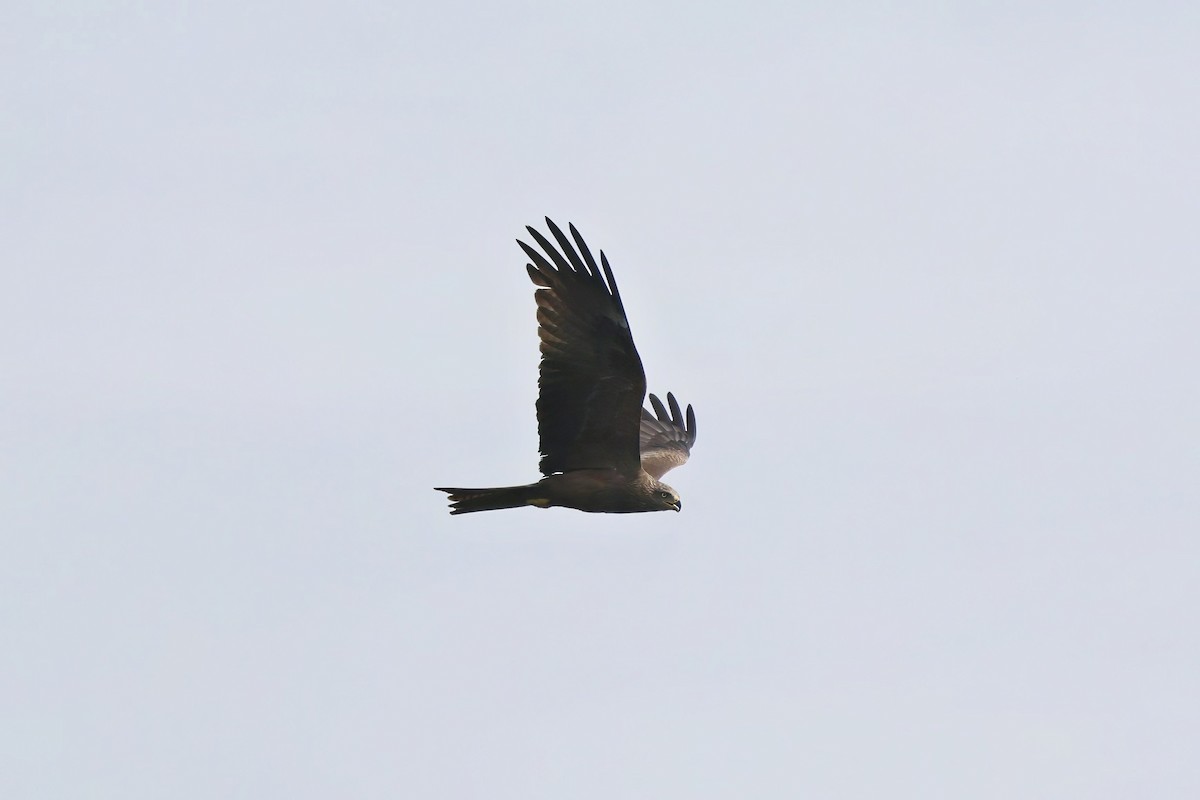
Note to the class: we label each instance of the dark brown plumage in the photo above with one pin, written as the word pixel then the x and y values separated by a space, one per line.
pixel 601 451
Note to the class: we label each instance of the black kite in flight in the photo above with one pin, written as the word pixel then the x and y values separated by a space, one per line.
pixel 601 451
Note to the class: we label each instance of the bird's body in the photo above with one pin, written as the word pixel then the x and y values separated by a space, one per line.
pixel 601 452
pixel 597 490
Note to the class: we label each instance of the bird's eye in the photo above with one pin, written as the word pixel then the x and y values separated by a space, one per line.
pixel 664 494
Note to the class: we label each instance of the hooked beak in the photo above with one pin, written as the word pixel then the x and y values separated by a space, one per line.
pixel 678 505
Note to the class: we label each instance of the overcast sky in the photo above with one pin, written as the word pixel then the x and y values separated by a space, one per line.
pixel 928 272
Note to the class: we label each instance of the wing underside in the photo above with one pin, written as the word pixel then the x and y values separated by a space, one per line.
pixel 666 437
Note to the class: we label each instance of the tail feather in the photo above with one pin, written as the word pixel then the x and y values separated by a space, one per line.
pixel 466 501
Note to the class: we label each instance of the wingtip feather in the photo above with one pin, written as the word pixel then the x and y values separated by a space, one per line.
pixel 676 414
pixel 612 282
pixel 659 409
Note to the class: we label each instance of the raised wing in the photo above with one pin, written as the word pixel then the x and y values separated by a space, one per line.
pixel 591 381
pixel 666 439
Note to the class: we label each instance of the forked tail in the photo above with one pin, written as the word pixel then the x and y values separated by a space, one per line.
pixel 465 501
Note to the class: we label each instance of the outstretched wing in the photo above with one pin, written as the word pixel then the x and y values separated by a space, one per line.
pixel 591 381
pixel 668 438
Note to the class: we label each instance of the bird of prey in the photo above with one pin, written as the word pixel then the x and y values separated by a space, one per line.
pixel 601 451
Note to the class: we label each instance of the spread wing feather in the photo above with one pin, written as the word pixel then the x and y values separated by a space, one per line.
pixel 666 439
pixel 591 380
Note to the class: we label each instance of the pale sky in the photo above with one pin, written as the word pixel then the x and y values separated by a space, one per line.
pixel 929 274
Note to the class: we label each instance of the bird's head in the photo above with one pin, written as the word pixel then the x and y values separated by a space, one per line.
pixel 664 498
